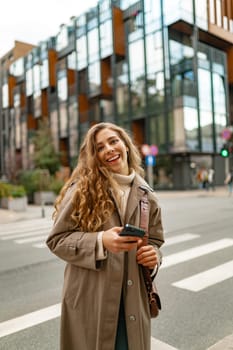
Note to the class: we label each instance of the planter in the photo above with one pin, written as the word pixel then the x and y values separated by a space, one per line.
pixel 44 197
pixel 16 204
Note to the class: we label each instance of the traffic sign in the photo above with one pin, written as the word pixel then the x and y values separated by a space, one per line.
pixel 145 149
pixel 154 150
pixel 150 160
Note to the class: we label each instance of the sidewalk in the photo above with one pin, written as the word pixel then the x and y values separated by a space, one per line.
pixel 36 211
pixel 32 212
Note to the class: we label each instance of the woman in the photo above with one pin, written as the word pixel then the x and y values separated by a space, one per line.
pixel 105 305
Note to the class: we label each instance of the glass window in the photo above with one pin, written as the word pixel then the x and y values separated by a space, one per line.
pixel 29 82
pixel 137 76
pixel 122 89
pixel 93 44
pixel 127 3
pixel 94 78
pixel 62 88
pixel 54 127
pixel 62 38
pixel 16 99
pixel 219 94
pixel 152 14
pixel 154 52
pixel 106 42
pixel 5 96
pixel 36 80
pixel 73 129
pixel 81 52
pixel 191 128
pixel 17 68
pixel 71 61
pixel 44 74
pixel 204 90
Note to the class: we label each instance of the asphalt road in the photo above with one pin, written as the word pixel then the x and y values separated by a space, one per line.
pixel 198 229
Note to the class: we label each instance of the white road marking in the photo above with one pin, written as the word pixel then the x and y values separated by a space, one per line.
pixel 19 230
pixel 196 252
pixel 180 238
pixel 207 278
pixel 34 318
pixel 159 345
pixel 32 239
pixel 40 245
pixel 29 320
pixel 27 234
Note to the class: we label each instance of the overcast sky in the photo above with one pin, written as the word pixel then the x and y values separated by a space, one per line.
pixel 33 21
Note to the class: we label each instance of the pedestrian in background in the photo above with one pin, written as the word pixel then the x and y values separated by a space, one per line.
pixel 105 303
pixel 229 182
pixel 211 179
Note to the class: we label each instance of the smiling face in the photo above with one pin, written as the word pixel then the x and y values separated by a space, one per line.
pixel 111 151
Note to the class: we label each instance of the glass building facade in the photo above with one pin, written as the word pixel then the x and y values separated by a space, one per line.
pixel 161 69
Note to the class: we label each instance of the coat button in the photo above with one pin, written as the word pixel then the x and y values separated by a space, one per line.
pixel 132 318
pixel 130 282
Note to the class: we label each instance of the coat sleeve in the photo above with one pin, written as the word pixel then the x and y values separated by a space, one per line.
pixel 156 234
pixel 75 247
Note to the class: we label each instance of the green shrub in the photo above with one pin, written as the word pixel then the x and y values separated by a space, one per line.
pixel 9 190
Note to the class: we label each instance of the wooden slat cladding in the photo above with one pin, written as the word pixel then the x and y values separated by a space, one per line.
pixel 22 96
pixel 230 65
pixel 71 81
pixel 138 132
pixel 11 86
pixel 83 108
pixel 52 57
pixel 223 14
pixel 31 122
pixel 118 31
pixel 44 103
pixel 105 77
pixel 64 151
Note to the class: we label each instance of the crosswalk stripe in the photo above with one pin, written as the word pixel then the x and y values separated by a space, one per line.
pixel 207 278
pixel 32 239
pixel 40 245
pixel 180 238
pixel 29 320
pixel 37 317
pixel 159 345
pixel 196 252
pixel 27 234
pixel 24 230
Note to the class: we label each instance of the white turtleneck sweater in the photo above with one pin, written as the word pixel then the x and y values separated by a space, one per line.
pixel 124 182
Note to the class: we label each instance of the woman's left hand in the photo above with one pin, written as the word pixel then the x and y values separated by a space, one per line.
pixel 146 256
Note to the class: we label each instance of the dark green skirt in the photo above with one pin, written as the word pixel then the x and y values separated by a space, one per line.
pixel 121 337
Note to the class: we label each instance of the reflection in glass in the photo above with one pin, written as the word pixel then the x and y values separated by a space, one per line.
pixel 137 76
pixel 94 78
pixel 191 128
pixel 81 45
pixel 44 74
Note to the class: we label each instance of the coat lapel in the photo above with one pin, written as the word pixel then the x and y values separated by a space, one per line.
pixel 135 195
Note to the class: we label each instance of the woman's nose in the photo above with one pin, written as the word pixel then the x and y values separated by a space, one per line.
pixel 109 148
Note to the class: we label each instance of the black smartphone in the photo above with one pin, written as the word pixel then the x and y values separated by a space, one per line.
pixel 130 230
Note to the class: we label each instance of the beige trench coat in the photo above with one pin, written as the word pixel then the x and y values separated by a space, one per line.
pixel 92 289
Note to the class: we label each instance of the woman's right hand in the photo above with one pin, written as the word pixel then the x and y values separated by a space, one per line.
pixel 115 243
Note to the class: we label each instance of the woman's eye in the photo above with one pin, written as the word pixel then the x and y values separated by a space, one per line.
pixel 99 149
pixel 114 141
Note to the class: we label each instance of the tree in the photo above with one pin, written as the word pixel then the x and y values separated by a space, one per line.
pixel 45 155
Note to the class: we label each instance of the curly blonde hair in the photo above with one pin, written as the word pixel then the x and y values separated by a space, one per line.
pixel 92 201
